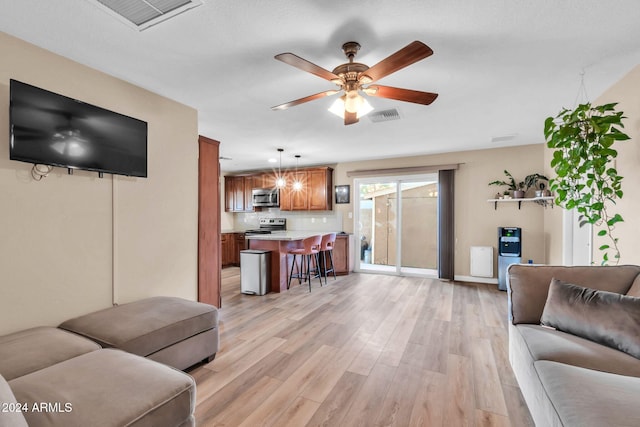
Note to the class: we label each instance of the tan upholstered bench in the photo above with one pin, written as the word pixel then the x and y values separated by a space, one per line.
pixel 173 331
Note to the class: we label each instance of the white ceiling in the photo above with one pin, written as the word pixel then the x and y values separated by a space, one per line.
pixel 500 67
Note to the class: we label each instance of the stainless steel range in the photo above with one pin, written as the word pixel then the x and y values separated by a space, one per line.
pixel 267 225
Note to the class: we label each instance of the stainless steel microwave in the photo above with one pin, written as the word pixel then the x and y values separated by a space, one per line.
pixel 265 197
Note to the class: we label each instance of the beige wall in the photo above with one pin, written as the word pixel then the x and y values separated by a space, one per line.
pixel 66 239
pixel 476 221
pixel 626 93
pixel 553 227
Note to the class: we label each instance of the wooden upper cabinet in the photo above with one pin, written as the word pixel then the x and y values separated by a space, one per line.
pixel 315 193
pixel 234 193
pixel 319 183
pixel 266 180
pixel 238 194
pixel 250 182
pixel 286 193
pixel 237 189
pixel 299 196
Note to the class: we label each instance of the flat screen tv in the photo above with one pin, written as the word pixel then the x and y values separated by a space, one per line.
pixel 51 129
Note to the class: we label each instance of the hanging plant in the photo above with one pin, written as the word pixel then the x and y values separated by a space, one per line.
pixel 586 180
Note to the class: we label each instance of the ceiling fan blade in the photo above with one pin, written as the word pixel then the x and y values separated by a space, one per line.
pixel 350 118
pixel 408 55
pixel 407 95
pixel 305 99
pixel 304 65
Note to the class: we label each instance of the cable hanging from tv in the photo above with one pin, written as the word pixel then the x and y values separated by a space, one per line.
pixel 39 171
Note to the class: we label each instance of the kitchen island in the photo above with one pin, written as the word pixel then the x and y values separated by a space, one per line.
pixel 279 243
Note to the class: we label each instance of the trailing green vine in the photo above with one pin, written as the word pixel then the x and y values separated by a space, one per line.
pixel 583 156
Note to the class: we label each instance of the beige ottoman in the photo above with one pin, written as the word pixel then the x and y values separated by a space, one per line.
pixel 173 331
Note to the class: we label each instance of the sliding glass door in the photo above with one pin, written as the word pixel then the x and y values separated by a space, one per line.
pixel 397 225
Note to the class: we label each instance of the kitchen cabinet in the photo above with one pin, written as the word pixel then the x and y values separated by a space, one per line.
pixel 341 254
pixel 240 244
pixel 299 198
pixel 232 244
pixel 227 243
pixel 250 182
pixel 237 190
pixel 265 180
pixel 314 194
pixel 319 184
pixel 234 193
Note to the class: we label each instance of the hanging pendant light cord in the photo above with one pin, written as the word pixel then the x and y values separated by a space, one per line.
pixel 280 179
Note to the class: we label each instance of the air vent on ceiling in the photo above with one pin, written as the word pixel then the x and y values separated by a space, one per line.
pixel 504 138
pixel 143 14
pixel 385 115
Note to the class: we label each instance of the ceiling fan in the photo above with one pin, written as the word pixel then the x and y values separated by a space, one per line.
pixel 353 76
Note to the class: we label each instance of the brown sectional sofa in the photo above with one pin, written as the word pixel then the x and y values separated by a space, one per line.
pixel 50 377
pixel 568 380
pixel 64 377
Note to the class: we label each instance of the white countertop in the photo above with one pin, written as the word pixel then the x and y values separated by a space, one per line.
pixel 286 235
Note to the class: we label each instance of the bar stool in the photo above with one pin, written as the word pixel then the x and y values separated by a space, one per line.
pixel 310 247
pixel 328 241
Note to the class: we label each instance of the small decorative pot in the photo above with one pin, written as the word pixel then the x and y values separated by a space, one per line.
pixel 518 194
pixel 539 193
pixel 546 193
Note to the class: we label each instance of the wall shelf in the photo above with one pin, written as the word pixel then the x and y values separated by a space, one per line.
pixel 542 201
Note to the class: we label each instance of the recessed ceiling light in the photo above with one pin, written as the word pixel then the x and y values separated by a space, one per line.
pixel 272 160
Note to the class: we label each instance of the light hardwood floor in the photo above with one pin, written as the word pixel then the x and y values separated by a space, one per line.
pixel 366 350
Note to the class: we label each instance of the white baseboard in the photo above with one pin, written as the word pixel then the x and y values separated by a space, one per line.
pixel 490 280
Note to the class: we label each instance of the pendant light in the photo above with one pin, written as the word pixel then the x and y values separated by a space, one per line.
pixel 297 185
pixel 280 182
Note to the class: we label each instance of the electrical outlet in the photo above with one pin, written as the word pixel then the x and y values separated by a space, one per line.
pixel 350 215
pixel 324 219
pixel 313 220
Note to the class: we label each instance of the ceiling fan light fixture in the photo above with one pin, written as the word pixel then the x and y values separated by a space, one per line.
pixel 370 90
pixel 353 101
pixel 338 107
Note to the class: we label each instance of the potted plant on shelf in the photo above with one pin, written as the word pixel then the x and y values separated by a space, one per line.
pixel 587 179
pixel 537 181
pixel 517 189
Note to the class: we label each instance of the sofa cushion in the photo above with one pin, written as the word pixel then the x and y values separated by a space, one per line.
pixel 146 326
pixel 32 349
pixel 541 343
pixel 108 387
pixel 529 284
pixel 634 290
pixel 587 398
pixel 604 317
pixel 10 412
